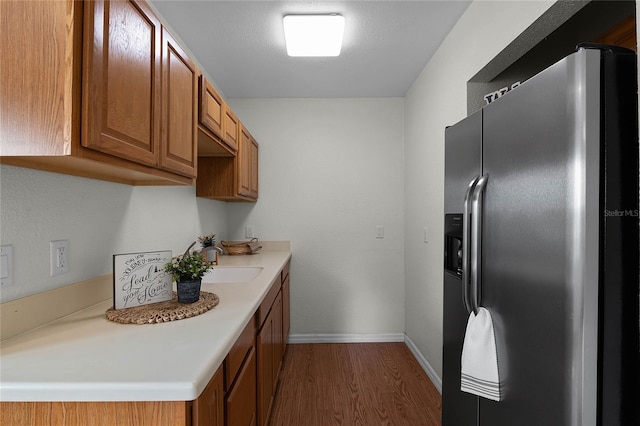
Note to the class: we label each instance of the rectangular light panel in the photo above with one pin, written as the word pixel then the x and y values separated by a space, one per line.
pixel 313 35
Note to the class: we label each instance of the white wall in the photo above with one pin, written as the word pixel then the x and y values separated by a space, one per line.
pixel 438 99
pixel 330 171
pixel 98 218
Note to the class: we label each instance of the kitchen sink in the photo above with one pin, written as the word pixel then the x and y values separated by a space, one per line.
pixel 231 274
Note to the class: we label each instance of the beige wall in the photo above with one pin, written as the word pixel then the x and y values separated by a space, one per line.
pixel 330 172
pixel 98 218
pixel 438 99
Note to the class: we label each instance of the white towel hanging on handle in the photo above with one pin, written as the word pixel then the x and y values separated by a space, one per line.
pixel 479 364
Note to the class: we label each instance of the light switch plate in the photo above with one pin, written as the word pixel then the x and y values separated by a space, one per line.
pixel 6 265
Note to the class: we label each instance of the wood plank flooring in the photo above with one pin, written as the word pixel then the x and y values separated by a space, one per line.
pixel 364 384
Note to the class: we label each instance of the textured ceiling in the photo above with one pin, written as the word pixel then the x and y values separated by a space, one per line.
pixel 241 45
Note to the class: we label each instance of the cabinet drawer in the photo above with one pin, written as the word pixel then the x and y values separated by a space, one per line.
pixel 285 272
pixel 265 306
pixel 238 352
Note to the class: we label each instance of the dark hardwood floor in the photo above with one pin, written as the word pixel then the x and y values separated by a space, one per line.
pixel 365 384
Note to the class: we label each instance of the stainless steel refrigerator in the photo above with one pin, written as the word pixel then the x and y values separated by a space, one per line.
pixel 545 182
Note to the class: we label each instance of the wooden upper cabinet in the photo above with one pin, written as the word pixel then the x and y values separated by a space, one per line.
pixel 40 84
pixel 96 109
pixel 211 142
pixel 253 166
pixel 248 165
pixel 244 162
pixel 179 109
pixel 211 106
pixel 121 80
pixel 230 178
pixel 622 34
pixel 231 127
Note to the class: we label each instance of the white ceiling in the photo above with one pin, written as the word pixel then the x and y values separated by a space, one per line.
pixel 241 45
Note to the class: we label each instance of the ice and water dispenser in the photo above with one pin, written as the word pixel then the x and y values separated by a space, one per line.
pixel 453 243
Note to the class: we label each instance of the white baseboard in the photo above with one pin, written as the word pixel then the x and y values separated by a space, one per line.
pixel 371 338
pixel 345 338
pixel 435 379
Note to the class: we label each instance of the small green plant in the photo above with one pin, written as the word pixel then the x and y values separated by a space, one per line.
pixel 207 240
pixel 188 266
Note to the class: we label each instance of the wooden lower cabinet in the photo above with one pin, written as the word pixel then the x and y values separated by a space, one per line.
pixel 241 399
pixel 264 344
pixel 286 312
pixel 278 349
pixel 208 409
pixel 270 352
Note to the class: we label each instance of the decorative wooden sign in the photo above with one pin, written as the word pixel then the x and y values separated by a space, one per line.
pixel 140 279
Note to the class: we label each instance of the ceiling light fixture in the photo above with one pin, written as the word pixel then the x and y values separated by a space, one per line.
pixel 313 35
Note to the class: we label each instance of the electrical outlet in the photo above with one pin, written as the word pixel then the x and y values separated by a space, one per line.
pixel 59 257
pixel 249 231
pixel 379 231
pixel 6 266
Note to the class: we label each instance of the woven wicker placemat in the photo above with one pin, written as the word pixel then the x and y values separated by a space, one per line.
pixel 167 311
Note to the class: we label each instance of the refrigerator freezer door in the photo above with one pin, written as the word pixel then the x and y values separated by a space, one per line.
pixel 463 144
pixel 540 245
pixel 462 160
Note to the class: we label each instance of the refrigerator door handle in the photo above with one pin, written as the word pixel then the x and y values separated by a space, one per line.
pixel 475 262
pixel 466 244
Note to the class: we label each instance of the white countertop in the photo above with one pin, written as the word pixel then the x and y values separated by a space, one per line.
pixel 85 357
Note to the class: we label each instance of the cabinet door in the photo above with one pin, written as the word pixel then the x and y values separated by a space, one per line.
pixel 208 409
pixel 121 80
pixel 277 340
pixel 286 312
pixel 230 127
pixel 211 108
pixel 39 112
pixel 244 162
pixel 241 401
pixel 253 164
pixel 265 370
pixel 247 164
pixel 179 109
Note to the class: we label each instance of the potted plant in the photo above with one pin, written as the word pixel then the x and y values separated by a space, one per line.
pixel 208 243
pixel 187 271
